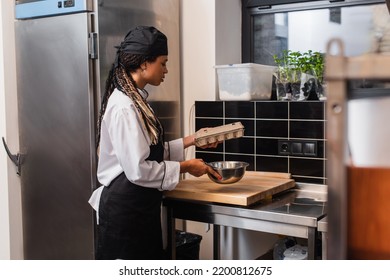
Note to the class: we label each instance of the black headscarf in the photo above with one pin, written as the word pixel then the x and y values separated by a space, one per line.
pixel 144 40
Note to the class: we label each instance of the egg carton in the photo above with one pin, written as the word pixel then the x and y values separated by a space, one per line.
pixel 221 133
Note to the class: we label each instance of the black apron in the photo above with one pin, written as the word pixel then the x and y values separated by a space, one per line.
pixel 130 219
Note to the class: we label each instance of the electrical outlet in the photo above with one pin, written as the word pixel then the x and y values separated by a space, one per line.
pixel 297 148
pixel 283 147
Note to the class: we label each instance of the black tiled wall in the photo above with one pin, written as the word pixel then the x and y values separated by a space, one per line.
pixel 267 122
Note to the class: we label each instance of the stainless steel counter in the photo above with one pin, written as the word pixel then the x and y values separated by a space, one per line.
pixel 294 212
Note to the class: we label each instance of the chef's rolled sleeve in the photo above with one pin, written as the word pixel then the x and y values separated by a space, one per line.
pixel 172 175
pixel 174 150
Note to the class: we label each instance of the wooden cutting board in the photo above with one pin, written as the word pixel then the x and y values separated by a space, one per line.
pixel 253 187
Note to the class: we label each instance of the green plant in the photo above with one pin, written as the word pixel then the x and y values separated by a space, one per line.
pixel 288 66
pixel 292 63
pixel 315 64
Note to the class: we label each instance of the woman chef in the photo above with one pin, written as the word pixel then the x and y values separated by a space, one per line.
pixel 135 164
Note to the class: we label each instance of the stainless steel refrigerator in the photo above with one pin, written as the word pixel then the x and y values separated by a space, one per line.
pixel 64 51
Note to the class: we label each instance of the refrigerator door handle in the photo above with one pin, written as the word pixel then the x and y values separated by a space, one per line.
pixel 93 53
pixel 16 159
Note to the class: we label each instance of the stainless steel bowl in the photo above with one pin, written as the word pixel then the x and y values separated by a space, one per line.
pixel 231 171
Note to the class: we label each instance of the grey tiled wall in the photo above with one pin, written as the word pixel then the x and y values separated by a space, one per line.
pixel 267 123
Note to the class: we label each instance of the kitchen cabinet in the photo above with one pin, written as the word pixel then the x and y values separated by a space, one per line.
pixel 293 212
pixel 358 223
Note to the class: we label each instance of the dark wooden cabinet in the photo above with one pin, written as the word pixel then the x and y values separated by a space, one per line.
pixel 368 219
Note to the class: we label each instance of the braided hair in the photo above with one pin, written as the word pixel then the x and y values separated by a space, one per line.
pixel 120 77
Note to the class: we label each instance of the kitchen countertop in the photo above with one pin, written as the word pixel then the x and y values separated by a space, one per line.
pixel 252 188
pixel 294 212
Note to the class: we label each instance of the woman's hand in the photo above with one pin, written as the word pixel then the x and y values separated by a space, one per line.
pixel 197 167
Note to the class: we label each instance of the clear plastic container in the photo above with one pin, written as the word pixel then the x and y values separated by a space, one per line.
pixel 247 81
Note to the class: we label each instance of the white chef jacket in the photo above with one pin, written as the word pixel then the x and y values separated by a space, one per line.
pixel 124 147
